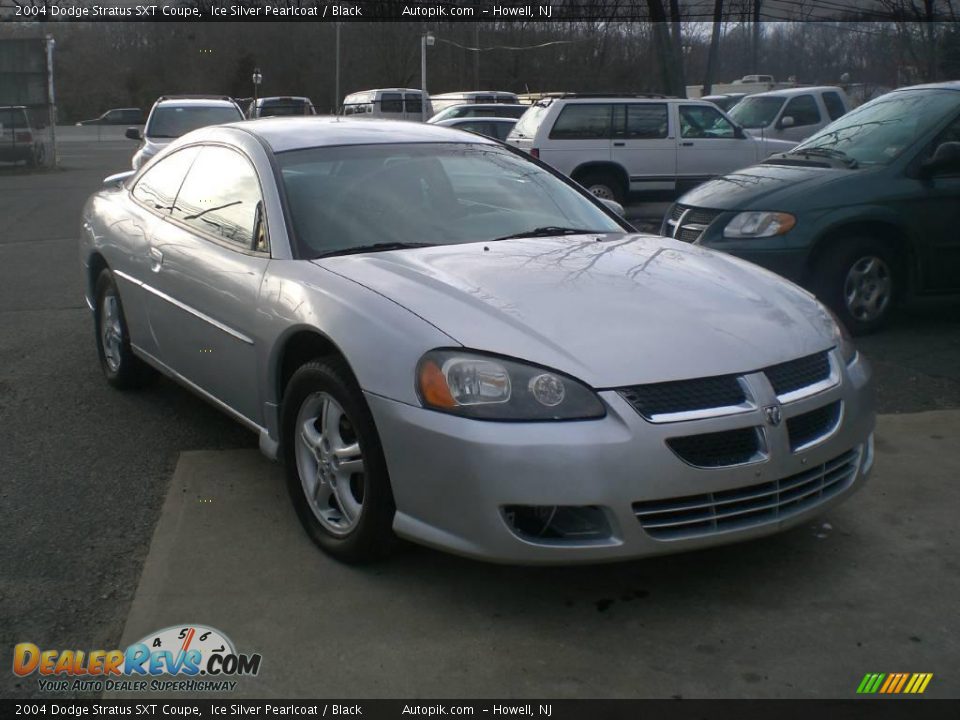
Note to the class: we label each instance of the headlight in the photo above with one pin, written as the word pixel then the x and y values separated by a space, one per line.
pixel 493 388
pixel 841 337
pixel 759 225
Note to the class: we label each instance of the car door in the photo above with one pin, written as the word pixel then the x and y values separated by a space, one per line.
pixel 806 116
pixel 936 210
pixel 580 134
pixel 644 145
pixel 708 144
pixel 208 260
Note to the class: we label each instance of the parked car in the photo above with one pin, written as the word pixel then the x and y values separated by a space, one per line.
pixel 725 101
pixel 19 141
pixel 450 342
pixel 496 127
pixel 273 106
pixel 475 97
pixel 864 213
pixel 501 110
pixel 174 115
pixel 117 116
pixel 615 145
pixel 391 103
pixel 792 114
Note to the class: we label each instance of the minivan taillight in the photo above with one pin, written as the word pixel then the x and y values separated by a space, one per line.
pixel 23 136
pixel 535 152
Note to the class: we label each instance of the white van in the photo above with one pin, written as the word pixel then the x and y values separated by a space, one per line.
pixel 440 102
pixel 389 103
pixel 793 114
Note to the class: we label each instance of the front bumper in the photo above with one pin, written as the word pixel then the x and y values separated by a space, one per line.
pixel 453 477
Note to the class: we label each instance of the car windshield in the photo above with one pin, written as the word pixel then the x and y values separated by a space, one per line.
pixel 756 112
pixel 271 108
pixel 878 132
pixel 355 196
pixel 172 121
pixel 12 118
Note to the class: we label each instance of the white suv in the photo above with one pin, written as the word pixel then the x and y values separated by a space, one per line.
pixel 176 115
pixel 614 145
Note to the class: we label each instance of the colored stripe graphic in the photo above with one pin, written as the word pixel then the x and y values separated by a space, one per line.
pixel 894 683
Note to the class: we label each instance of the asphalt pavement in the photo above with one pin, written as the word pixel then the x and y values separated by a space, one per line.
pixel 100 532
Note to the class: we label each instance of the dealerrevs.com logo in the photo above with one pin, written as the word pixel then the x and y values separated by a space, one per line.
pixel 188 658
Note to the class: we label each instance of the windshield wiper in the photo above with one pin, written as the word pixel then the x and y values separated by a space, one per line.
pixel 375 247
pixel 549 231
pixel 823 151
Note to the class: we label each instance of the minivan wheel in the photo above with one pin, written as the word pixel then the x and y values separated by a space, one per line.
pixel 335 469
pixel 120 366
pixel 860 281
pixel 603 185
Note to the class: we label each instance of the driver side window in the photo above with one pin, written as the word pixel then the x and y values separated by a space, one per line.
pixel 700 121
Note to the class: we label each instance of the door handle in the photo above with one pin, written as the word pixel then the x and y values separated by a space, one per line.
pixel 619 144
pixel 687 144
pixel 157 256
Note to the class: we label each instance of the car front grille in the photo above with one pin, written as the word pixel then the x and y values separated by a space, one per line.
pixel 803 372
pixel 694 516
pixel 718 449
pixel 662 399
pixel 812 426
pixel 688 223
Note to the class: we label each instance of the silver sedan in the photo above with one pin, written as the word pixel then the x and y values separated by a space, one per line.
pixel 446 341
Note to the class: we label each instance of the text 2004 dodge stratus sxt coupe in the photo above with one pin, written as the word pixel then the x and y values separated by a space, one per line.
pixel 446 341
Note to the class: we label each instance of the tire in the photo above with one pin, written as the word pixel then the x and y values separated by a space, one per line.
pixel 860 279
pixel 120 366
pixel 326 427
pixel 604 185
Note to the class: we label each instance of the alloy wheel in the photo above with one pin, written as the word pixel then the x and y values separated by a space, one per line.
pixel 868 287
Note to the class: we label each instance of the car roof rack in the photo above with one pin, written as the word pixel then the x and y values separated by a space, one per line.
pixel 194 97
pixel 574 95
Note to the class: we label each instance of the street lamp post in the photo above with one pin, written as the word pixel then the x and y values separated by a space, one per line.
pixel 426 40
pixel 257 79
pixel 336 89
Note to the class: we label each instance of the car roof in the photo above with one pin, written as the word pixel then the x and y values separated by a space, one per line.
pixel 13 107
pixel 483 105
pixel 948 85
pixel 791 92
pixel 298 133
pixel 283 98
pixel 197 102
pixel 476 118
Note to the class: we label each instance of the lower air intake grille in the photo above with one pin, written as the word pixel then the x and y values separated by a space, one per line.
pixel 698 515
pixel 684 395
pixel 719 449
pixel 799 373
pixel 809 427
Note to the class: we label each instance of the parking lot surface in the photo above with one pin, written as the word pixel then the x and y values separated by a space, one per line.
pixel 125 513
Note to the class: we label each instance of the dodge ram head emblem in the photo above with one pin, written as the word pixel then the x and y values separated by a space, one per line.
pixel 773 415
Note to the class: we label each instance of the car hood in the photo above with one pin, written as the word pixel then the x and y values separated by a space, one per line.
pixel 769 146
pixel 756 186
pixel 611 310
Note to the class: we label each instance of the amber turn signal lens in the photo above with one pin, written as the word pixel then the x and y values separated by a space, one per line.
pixel 433 387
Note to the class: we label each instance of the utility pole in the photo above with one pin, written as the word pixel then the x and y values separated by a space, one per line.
pixel 336 87
pixel 476 56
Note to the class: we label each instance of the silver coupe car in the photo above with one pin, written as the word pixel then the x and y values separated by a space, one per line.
pixel 446 341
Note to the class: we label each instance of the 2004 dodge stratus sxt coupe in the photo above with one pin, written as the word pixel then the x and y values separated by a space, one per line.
pixel 446 341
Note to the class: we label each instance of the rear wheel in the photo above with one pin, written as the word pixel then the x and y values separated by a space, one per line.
pixel 860 279
pixel 336 472
pixel 604 185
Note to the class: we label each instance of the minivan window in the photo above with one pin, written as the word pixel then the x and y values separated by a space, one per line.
pixel 221 196
pixel 756 112
pixel 158 186
pixel 646 120
pixel 580 121
pixel 834 105
pixel 881 130
pixel 391 103
pixel 803 109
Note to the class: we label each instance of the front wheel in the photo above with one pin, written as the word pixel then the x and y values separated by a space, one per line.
pixel 120 366
pixel 336 472
pixel 860 279
pixel 604 185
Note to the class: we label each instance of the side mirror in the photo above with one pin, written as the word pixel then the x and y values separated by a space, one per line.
pixel 786 121
pixel 614 207
pixel 134 133
pixel 946 159
pixel 118 179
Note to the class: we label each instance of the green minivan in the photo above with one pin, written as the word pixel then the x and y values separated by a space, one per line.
pixel 864 213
